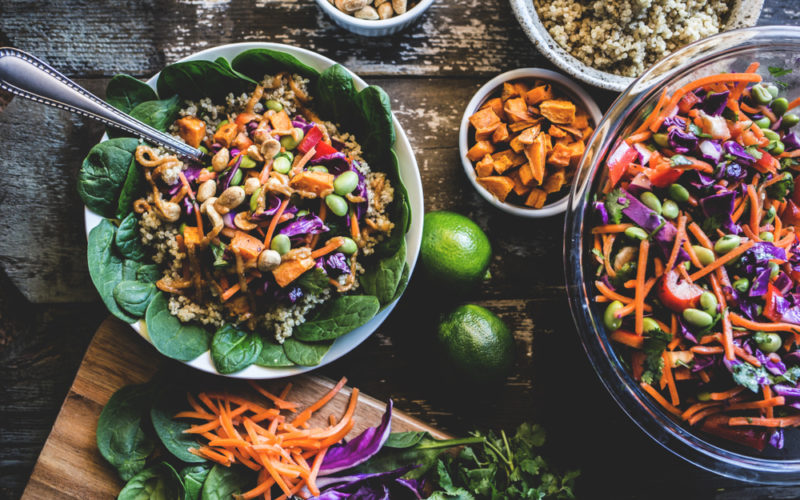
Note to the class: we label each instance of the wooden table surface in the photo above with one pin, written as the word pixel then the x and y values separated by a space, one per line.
pixel 49 309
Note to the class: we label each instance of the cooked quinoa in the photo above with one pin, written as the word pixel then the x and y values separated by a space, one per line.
pixel 277 318
pixel 627 36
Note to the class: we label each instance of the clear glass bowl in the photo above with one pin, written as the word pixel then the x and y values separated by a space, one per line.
pixel 771 46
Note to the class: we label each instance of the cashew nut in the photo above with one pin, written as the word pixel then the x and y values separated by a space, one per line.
pixel 221 159
pixel 206 190
pixel 170 211
pixel 268 260
pixel 400 6
pixel 242 221
pixel 367 12
pixel 353 5
pixel 385 10
pixel 254 153
pixel 270 148
pixel 251 185
pixel 229 199
pixel 216 219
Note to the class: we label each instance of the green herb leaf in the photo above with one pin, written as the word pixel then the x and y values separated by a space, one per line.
pixel 777 72
pixel 679 160
pixel 654 344
pixel 614 207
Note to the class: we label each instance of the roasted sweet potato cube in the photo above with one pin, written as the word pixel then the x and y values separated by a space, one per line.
pixel 536 198
pixel 485 167
pixel 319 183
pixel 516 109
pixel 496 104
pixel 520 189
pixel 536 155
pixel 577 148
pixel 554 182
pixel 479 150
pixel 522 88
pixel 192 130
pixel 581 119
pixel 502 164
pixel 513 159
pixel 560 155
pixel 485 122
pixel 281 121
pixel 498 185
pixel 519 126
pixel 539 94
pixel 525 138
pixel 291 270
pixel 500 134
pixel 526 174
pixel 587 132
pixel 225 134
pixel 509 91
pixel 548 142
pixel 558 110
pixel 556 131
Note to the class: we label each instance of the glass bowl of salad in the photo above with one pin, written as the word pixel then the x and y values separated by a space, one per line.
pixel 682 257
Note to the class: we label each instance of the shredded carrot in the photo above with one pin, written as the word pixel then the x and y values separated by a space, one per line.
pixel 721 396
pixel 700 235
pixel 274 222
pixel 660 399
pixel 644 248
pixel 628 338
pixel 737 320
pixel 608 243
pixel 701 82
pixel 279 402
pixel 794 103
pixel 679 237
pixel 721 261
pixel 670 380
pixel 329 247
pixel 765 422
pixel 611 228
pixel 638 137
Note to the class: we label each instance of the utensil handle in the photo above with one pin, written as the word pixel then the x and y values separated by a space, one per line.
pixel 27 76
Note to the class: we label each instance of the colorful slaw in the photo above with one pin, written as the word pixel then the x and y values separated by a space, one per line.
pixel 698 262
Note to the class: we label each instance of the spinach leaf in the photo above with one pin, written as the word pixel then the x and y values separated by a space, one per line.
pixel 223 482
pixel 105 266
pixel 120 436
pixel 272 355
pixel 337 317
pixel 132 188
pixel 404 439
pixel 154 483
pixel 336 95
pixel 193 478
pixel 256 63
pixel 314 281
pixel 169 430
pixel 133 297
pixel 399 212
pixel 401 287
pixel 227 65
pixel 196 80
pixel 128 241
pixel 103 173
pixel 174 339
pixel 376 135
pixel 130 268
pixel 125 92
pixel 158 114
pixel 382 276
pixel 305 354
pixel 233 349
pixel 148 273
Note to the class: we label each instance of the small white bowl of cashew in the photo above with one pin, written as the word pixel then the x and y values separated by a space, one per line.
pixel 374 17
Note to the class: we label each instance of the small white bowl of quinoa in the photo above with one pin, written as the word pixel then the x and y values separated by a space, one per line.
pixel 609 43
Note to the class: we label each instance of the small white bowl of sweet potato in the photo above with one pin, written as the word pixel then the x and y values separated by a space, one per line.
pixel 522 137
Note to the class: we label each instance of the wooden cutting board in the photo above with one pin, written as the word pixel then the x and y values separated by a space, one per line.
pixel 71 467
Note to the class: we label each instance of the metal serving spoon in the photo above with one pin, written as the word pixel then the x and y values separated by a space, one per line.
pixel 26 76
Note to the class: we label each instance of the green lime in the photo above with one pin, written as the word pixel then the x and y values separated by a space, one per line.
pixel 455 251
pixel 476 343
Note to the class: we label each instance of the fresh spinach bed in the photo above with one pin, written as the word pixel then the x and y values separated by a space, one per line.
pixel 124 275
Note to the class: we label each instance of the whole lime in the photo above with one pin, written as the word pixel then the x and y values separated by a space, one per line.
pixel 476 343
pixel 455 251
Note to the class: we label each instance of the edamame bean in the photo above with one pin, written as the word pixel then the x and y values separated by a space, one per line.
pixel 741 285
pixel 610 319
pixel 247 162
pixel 274 105
pixel 345 183
pixel 779 106
pixel 203 149
pixel 678 193
pixel 237 177
pixel 222 124
pixel 726 244
pixel 774 270
pixel 636 233
pixel 301 213
pixel 776 147
pixel 670 210
pixel 292 140
pixel 254 199
pixel 789 120
pixel 704 396
pixel 349 246
pixel 709 303
pixel 768 342
pixel 704 255
pixel 773 90
pixel 763 122
pixel 698 318
pixel 760 94
pixel 337 204
pixel 766 236
pixel 651 201
pixel 771 135
pixel 282 165
pixel 661 139
pixel 281 244
pixel 288 155
pixel 649 325
pixel 319 168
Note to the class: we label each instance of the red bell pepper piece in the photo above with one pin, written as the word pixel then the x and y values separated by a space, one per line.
pixel 687 102
pixel 677 294
pixel 771 300
pixel 324 149
pixel 664 176
pixel 311 139
pixel 791 214
pixel 616 169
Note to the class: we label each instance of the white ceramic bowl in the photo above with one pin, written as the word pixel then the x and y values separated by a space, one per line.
pixel 409 172
pixel 482 95
pixel 743 14
pixel 383 27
